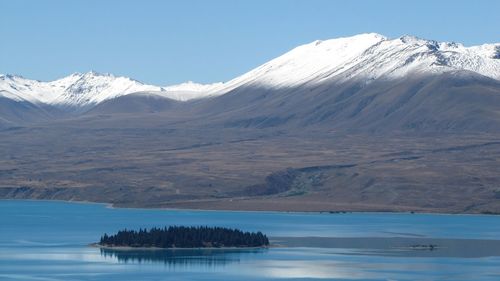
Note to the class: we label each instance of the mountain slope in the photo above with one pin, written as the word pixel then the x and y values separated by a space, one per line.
pixel 367 82
pixel 140 102
pixel 453 101
pixel 367 57
pixel 14 112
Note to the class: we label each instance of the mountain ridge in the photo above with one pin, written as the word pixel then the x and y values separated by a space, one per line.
pixel 366 57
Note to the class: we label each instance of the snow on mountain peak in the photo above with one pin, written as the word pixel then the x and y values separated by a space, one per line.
pixel 410 39
pixel 92 88
pixel 308 62
pixel 191 90
pixel 86 89
pixel 367 57
pixel 74 90
pixel 364 57
pixel 192 86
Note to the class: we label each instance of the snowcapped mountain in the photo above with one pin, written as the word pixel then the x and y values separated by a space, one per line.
pixel 93 88
pixel 74 90
pixel 82 90
pixel 368 82
pixel 367 57
pixel 364 57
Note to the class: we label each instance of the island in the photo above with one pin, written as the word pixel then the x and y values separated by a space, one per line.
pixel 184 237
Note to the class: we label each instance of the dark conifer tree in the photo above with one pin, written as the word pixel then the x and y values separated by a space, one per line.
pixel 185 237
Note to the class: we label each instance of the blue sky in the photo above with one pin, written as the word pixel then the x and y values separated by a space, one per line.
pixel 168 42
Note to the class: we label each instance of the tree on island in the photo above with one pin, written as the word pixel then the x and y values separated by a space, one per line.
pixel 185 237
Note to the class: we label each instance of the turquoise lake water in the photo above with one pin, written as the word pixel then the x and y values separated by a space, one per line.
pixel 41 240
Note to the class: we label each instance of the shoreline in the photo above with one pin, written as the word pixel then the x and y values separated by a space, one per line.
pixel 130 248
pixel 330 212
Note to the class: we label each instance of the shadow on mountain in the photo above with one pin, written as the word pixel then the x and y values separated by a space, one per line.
pixel 142 102
pixel 455 102
pixel 451 102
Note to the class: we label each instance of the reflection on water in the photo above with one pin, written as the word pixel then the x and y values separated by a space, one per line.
pixel 49 241
pixel 400 246
pixel 180 257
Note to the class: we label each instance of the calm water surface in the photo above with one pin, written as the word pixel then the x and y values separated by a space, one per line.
pixel 42 240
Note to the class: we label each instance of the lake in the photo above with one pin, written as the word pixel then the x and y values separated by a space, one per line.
pixel 42 240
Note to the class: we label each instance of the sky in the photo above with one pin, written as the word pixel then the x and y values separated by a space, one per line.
pixel 169 42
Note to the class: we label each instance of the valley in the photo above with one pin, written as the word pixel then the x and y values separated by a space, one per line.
pixel 252 169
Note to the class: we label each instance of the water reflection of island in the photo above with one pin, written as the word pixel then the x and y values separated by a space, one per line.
pixel 180 257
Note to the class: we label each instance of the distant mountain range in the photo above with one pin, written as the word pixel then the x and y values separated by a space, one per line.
pixel 89 89
pixel 362 123
pixel 362 59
